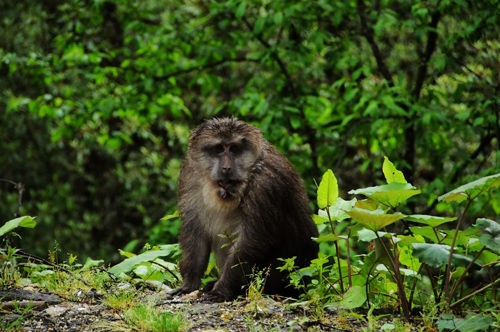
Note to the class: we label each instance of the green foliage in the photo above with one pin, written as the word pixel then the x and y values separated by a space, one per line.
pixel 473 322
pixel 98 98
pixel 148 266
pixel 392 272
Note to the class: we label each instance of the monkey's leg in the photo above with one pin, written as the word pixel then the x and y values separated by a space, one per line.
pixel 193 264
pixel 233 274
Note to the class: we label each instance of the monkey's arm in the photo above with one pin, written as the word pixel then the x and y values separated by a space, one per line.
pixel 193 264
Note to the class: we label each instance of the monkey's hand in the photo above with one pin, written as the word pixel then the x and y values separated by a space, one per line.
pixel 215 296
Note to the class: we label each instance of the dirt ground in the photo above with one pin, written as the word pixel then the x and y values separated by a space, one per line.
pixel 50 312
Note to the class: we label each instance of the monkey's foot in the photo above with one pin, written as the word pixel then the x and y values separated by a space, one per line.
pixel 214 296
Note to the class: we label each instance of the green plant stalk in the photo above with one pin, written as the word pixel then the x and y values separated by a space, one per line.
pixel 331 286
pixel 349 276
pixel 397 277
pixel 462 277
pixel 237 256
pixel 447 274
pixel 433 284
pixel 468 296
pixel 337 252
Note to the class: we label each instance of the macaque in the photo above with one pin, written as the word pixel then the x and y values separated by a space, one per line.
pixel 242 200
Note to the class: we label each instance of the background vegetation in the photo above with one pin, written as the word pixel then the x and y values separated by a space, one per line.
pixel 97 99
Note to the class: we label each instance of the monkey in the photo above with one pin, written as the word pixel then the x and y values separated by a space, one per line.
pixel 242 200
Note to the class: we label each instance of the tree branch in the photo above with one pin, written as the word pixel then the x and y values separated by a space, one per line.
pixel 432 37
pixel 200 68
pixel 280 62
pixel 367 32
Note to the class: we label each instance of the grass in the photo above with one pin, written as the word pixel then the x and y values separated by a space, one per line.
pixel 147 317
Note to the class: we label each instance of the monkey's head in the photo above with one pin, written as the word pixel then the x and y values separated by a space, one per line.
pixel 225 150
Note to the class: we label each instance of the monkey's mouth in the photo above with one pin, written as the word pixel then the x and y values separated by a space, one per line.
pixel 226 187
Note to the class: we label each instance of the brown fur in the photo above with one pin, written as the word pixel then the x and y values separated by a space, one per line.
pixel 260 203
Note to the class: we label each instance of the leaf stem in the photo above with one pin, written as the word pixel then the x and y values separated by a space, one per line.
pixel 397 276
pixel 447 274
pixel 337 253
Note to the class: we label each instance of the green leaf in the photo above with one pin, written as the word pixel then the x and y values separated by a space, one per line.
pixel 92 263
pixel 278 18
pixel 367 235
pixel 130 263
pixel 241 10
pixel 491 237
pixel 426 231
pixel 337 210
pixel 328 190
pixel 171 216
pixel 328 238
pixel 472 189
pixel 429 220
pixel 436 255
pixel 355 297
pixel 25 221
pixel 391 173
pixel 320 220
pixel 374 220
pixel 259 25
pixel 390 195
pixel 473 322
pixel 367 204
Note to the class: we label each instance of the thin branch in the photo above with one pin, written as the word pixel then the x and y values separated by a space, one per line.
pixel 367 32
pixel 482 145
pixel 20 188
pixel 432 37
pixel 200 68
pixel 280 62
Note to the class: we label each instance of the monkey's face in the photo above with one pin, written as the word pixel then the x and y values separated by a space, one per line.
pixel 226 149
pixel 229 164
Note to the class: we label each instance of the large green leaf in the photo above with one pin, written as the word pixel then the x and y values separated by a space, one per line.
pixel 472 189
pixel 391 173
pixel 328 190
pixel 473 322
pixel 367 235
pixel 374 220
pixel 436 255
pixel 337 210
pixel 429 220
pixel 130 263
pixel 390 195
pixel 491 237
pixel 355 297
pixel 26 221
pixel 427 232
pixel 367 204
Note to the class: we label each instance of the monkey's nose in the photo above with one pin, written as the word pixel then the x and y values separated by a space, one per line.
pixel 226 170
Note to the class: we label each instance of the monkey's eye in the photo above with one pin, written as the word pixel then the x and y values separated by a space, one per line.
pixel 217 149
pixel 235 149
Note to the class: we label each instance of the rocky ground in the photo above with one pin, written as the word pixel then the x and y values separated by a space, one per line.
pixel 86 312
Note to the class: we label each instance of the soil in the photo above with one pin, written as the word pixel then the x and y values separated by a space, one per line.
pixel 86 312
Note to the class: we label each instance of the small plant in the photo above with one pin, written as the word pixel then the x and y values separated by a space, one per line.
pixel 121 300
pixel 148 266
pixel 17 323
pixel 146 317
